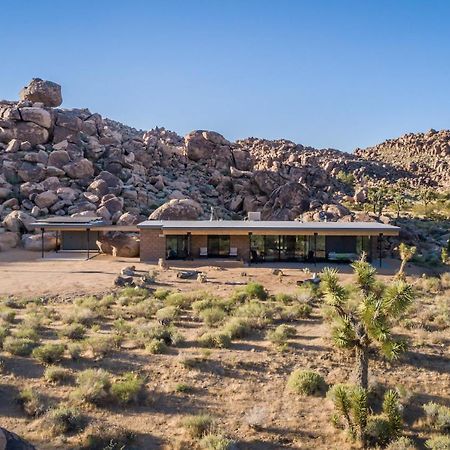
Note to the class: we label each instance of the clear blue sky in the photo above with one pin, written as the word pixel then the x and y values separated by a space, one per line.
pixel 337 73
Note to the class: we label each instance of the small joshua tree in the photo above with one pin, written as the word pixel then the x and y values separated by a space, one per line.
pixel 406 254
pixel 358 327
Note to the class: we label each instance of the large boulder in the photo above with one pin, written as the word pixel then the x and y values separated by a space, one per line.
pixel 8 240
pixel 114 183
pixel 45 199
pixel 201 145
pixel 42 91
pixel 79 169
pixel 18 221
pixel 39 116
pixel 58 158
pixel 119 244
pixel 10 441
pixel 24 131
pixel 177 209
pixel 33 242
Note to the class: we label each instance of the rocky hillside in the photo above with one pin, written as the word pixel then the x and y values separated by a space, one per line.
pixel 57 161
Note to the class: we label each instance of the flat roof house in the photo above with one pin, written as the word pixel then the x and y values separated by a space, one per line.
pixel 262 241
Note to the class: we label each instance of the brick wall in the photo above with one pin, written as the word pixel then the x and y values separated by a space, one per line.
pixel 242 245
pixel 153 247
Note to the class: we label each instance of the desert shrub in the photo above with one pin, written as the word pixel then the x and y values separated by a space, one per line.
pixel 185 299
pixel 161 293
pixel 156 346
pixel 122 326
pixel 56 374
pixel 93 386
pixel 25 332
pixel 402 443
pixel 167 314
pixel 212 316
pixel 284 298
pixel 306 382
pixel 134 292
pixel 128 388
pixel 167 333
pixel 82 315
pixel 63 420
pixel 182 387
pixel 438 416
pixel 74 331
pixel 7 315
pixel 108 437
pixel 215 442
pixel 74 350
pixel 4 332
pixel 258 314
pixel 256 291
pixel 237 327
pixel 281 334
pixel 102 345
pixel 445 280
pixel 32 402
pixel 198 426
pixel 439 442
pixel 238 296
pixel 295 312
pixel 146 308
pixel 18 346
pixel 217 339
pixel 107 301
pixel 49 353
pixel 429 285
pixel 92 303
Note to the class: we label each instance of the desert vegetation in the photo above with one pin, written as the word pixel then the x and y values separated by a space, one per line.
pixel 355 362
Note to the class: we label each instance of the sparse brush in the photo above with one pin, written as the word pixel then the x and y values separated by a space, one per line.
pixel 280 334
pixel 93 386
pixel 259 315
pixel 146 308
pixel 134 292
pixel 102 345
pixel 24 332
pixel 215 442
pixel 107 437
pixel 121 326
pixel 285 298
pixel 438 416
pixel 63 420
pixel 198 426
pixel 49 353
pixel 128 389
pixel 167 333
pixel 18 346
pixel 445 280
pixel 7 315
pixel 74 350
pixel 295 312
pixel 182 387
pixel 212 316
pixel 4 332
pixel 161 293
pixel 237 327
pixel 74 331
pixel 156 346
pixel 402 443
pixel 439 442
pixel 58 375
pixel 306 382
pixel 167 314
pixel 107 301
pixel 82 315
pixel 32 402
pixel 217 339
pixel 256 291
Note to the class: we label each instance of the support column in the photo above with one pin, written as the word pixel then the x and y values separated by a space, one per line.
pixel 249 248
pixel 189 242
pixel 380 249
pixel 42 242
pixel 88 243
pixel 315 249
pixel 57 241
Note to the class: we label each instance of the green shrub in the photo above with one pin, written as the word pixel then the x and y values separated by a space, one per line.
pixel 32 402
pixel 218 339
pixel 134 292
pixel 58 375
pixel 306 382
pixel 93 386
pixel 198 426
pixel 167 314
pixel 182 387
pixel 82 315
pixel 156 346
pixel 108 437
pixel 24 332
pixel 296 312
pixel 402 443
pixel 212 316
pixel 63 420
pixel 258 314
pixel 7 315
pixel 439 442
pixel 18 346
pixel 215 442
pixel 74 331
pixel 146 308
pixel 280 334
pixel 128 389
pixel 161 293
pixel 438 416
pixel 237 327
pixel 284 298
pixel 74 350
pixel 121 326
pixel 4 332
pixel 185 299
pixel 49 353
pixel 256 290
pixel 102 345
pixel 167 333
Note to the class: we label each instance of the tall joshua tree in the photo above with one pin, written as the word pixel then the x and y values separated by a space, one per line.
pixel 406 254
pixel 367 322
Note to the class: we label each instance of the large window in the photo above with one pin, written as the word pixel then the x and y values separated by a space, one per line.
pixel 176 247
pixel 363 245
pixel 219 246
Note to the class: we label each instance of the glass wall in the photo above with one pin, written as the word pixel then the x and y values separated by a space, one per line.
pixel 363 245
pixel 176 246
pixel 218 246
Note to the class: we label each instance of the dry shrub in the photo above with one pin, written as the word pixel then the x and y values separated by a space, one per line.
pixel 63 420
pixel 57 375
pixel 107 436
pixel 93 386
pixel 198 426
pixel 32 402
pixel 49 353
pixel 128 389
pixel 306 382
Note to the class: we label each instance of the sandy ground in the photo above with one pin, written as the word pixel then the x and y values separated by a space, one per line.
pixel 25 273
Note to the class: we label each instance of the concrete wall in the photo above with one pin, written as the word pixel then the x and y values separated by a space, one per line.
pixel 153 246
pixel 242 244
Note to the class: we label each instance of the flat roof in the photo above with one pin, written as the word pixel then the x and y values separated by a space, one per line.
pixel 275 225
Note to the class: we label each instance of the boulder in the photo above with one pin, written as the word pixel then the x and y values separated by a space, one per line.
pixel 177 209
pixel 58 158
pixel 98 188
pixel 18 221
pixel 45 199
pixel 33 242
pixel 79 169
pixel 360 195
pixel 45 92
pixel 128 219
pixel 114 183
pixel 112 203
pixel 31 172
pixel 119 244
pixel 8 240
pixel 39 116
pixel 202 144
pixel 10 441
pixel 24 131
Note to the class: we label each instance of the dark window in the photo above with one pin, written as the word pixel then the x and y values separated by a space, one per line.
pixel 218 245
pixel 176 247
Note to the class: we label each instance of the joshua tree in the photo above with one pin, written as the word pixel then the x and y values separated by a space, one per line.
pixel 359 325
pixel 378 198
pixel 406 254
pixel 426 196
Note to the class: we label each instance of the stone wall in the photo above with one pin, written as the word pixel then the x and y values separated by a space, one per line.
pixel 153 246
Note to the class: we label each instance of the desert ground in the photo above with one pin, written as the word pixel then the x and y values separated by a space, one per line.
pixel 243 387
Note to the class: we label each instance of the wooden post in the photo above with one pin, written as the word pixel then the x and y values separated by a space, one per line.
pixel 42 242
pixel 88 243
pixel 249 248
pixel 315 249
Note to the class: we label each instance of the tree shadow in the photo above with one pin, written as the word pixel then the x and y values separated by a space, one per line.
pixel 433 363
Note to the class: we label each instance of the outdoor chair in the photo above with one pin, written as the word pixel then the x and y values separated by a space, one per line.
pixel 233 251
pixel 203 251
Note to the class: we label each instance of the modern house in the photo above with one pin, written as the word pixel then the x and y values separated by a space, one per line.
pixel 262 241
pixel 250 241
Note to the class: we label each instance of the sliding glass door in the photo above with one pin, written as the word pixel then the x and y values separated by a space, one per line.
pixel 176 247
pixel 218 246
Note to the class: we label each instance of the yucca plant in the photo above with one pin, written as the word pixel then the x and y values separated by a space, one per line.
pixel 406 254
pixel 357 326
